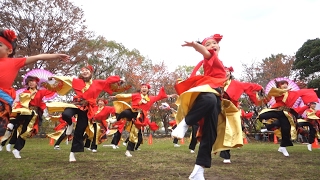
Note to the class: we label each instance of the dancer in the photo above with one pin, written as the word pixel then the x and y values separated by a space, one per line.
pixel 313 122
pixel 232 91
pixel 98 126
pixel 9 68
pixel 282 114
pixel 136 114
pixel 199 101
pixel 119 126
pixel 28 112
pixel 12 139
pixel 60 134
pixel 87 91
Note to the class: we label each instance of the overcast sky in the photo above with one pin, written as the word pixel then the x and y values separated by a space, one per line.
pixel 251 29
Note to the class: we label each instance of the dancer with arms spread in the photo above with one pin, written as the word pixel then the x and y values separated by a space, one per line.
pixel 200 100
pixel 87 91
pixel 233 91
pixel 98 126
pixel 136 113
pixel 9 68
pixel 282 115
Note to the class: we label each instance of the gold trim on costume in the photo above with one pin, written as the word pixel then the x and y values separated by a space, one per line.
pixel 62 85
pixel 58 106
pixel 293 130
pixel 185 100
pixel 25 99
pixel 87 86
pixel 285 97
pixel 56 135
pixel 226 85
pixel 124 97
pixel 229 130
pixel 27 133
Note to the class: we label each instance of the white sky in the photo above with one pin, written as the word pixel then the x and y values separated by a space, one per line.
pixel 251 29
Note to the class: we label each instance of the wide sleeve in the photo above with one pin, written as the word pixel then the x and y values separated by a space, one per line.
pixel 307 96
pixel 47 93
pixel 251 89
pixel 161 95
pixel 60 84
pixel 112 84
pixel 311 115
pixel 124 97
pixel 276 92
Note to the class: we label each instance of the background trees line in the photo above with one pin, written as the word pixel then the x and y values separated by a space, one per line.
pixel 49 26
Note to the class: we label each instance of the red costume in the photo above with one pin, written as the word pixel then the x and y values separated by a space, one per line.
pixel 93 92
pixel 214 75
pixel 138 104
pixel 102 116
pixel 236 88
pixel 119 125
pixel 36 103
pixel 9 68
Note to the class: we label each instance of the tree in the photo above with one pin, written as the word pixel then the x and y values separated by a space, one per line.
pixel 308 59
pixel 250 71
pixel 275 66
pixel 46 26
pixel 272 67
pixel 184 71
pixel 315 83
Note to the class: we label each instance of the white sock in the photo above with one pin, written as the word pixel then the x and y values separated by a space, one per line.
pixel 197 172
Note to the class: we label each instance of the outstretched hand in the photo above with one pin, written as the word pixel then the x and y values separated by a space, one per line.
pixel 189 44
pixel 64 57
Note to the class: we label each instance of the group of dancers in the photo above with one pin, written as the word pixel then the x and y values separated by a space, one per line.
pixel 208 103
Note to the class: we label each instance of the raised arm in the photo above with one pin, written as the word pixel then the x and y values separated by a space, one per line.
pixel 198 47
pixel 33 59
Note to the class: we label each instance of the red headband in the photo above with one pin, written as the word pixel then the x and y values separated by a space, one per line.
pixel 230 69
pixel 148 85
pixel 9 37
pixel 216 37
pixel 89 67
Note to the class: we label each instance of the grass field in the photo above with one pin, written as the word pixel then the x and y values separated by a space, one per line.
pixel 160 160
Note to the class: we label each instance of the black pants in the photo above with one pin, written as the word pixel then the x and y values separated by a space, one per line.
pixel 194 139
pixel 175 140
pixel 225 154
pixel 312 131
pixel 116 138
pixel 92 144
pixel 62 136
pixel 282 122
pixel 140 139
pixel 82 123
pixel 127 114
pixel 20 142
pixel 134 146
pixel 207 106
pixel 127 140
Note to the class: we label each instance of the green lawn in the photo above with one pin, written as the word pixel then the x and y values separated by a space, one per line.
pixel 160 160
